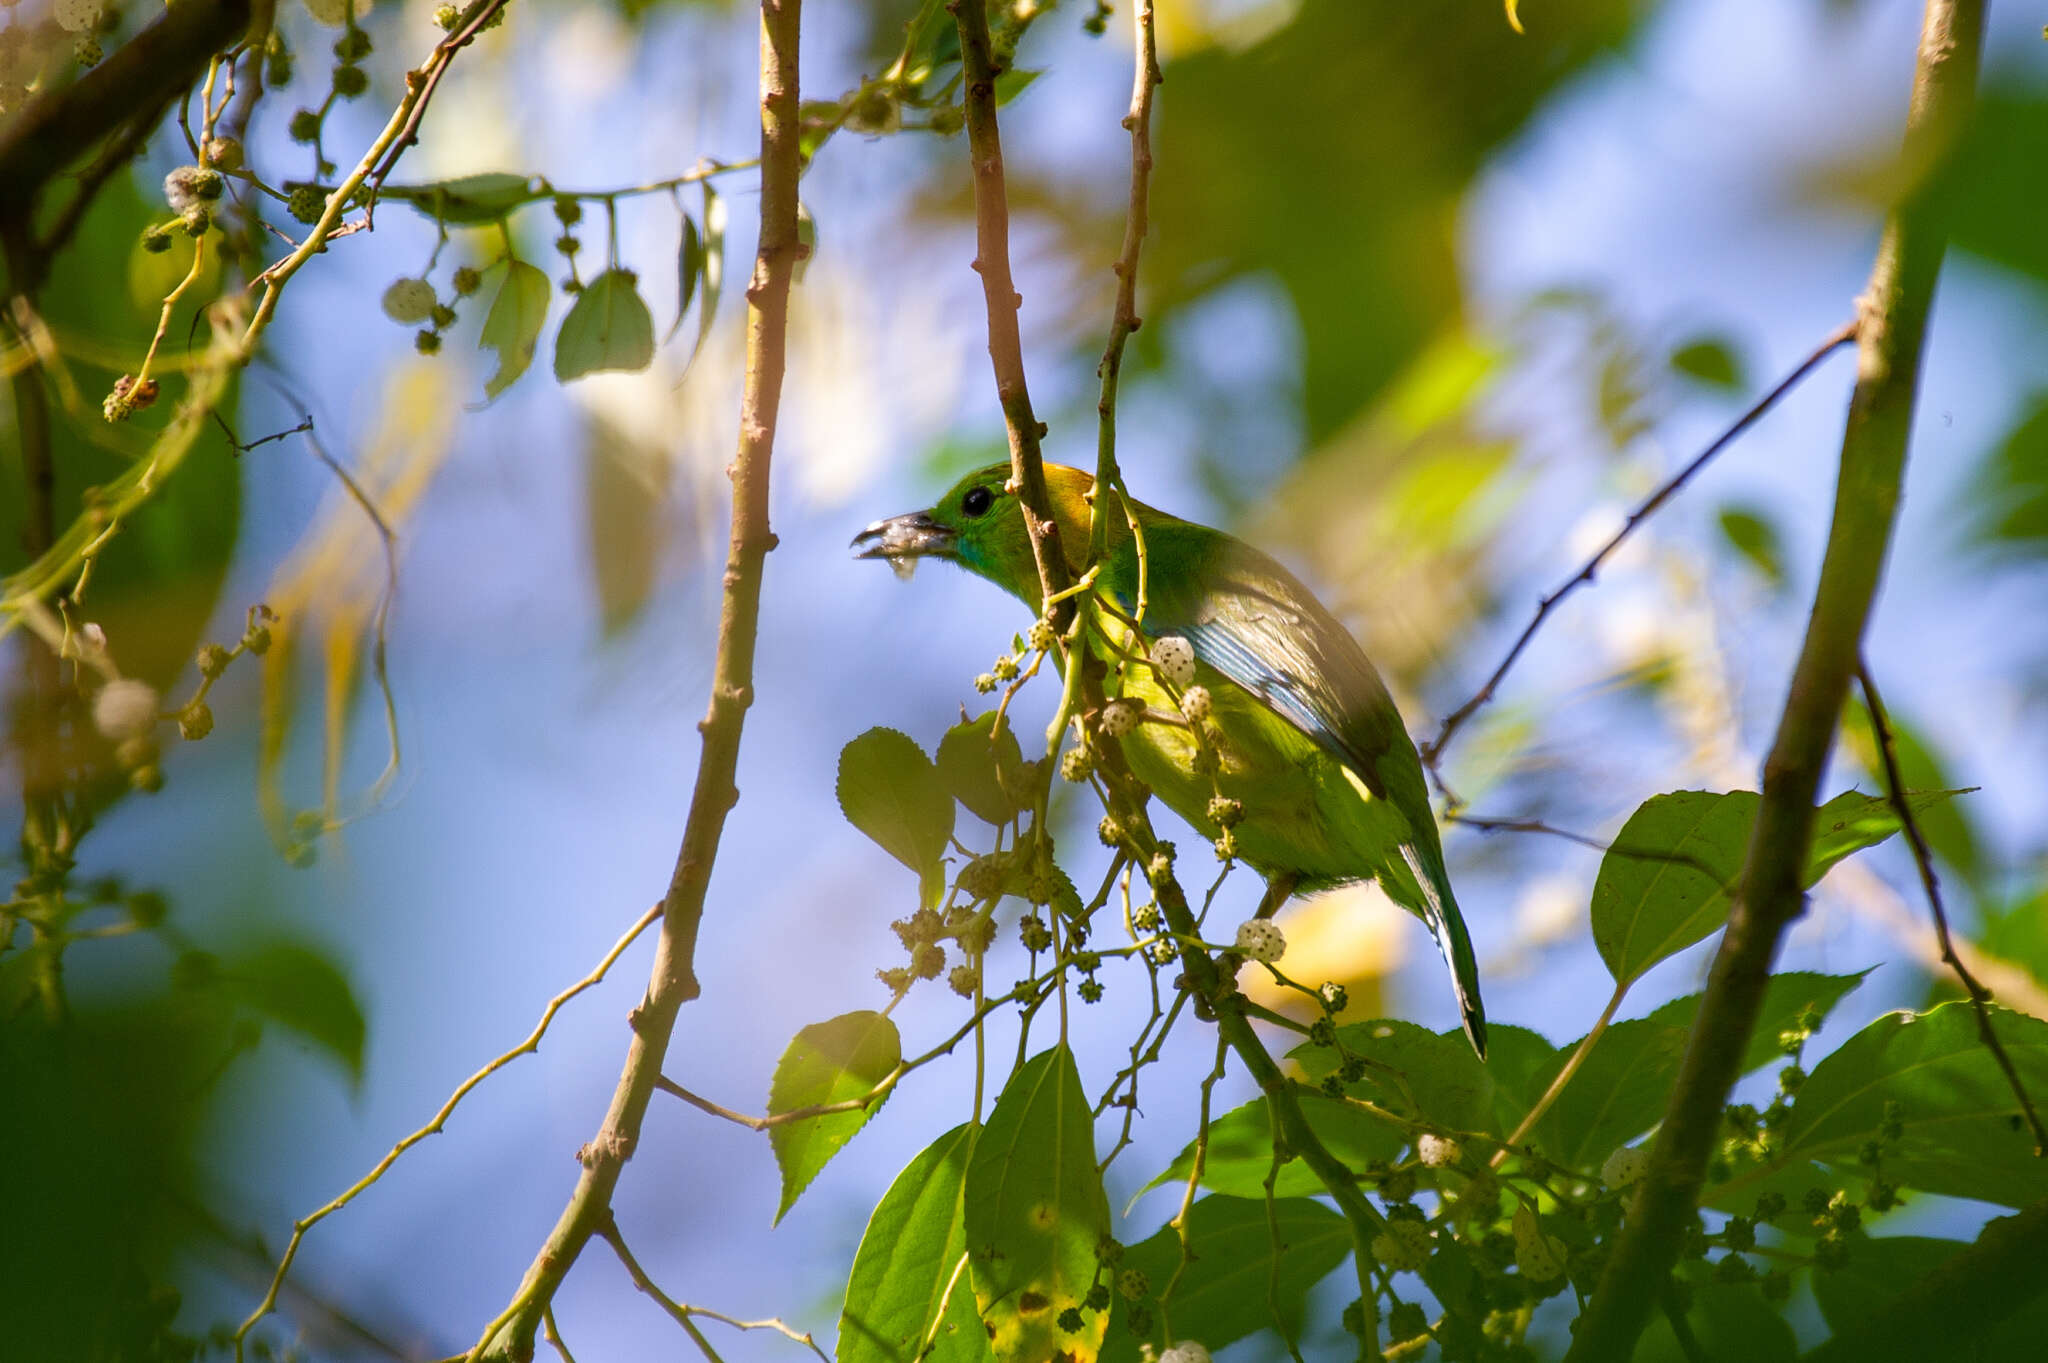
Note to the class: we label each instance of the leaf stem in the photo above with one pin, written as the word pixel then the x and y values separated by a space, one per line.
pixel 1564 1076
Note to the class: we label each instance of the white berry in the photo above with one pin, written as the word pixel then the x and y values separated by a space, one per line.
pixel 1261 940
pixel 1175 659
pixel 1436 1151
pixel 409 301
pixel 1540 1257
pixel 1624 1166
pixel 1194 703
pixel 125 709
pixel 1187 1351
pixel 1119 717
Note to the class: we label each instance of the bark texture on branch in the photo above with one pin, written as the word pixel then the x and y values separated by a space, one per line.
pixel 1891 329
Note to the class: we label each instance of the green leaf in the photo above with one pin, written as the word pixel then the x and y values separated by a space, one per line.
pixel 302 989
pixel 910 1264
pixel 2005 505
pixel 1875 1273
pixel 608 329
pixel 1412 1071
pixel 712 270
pixel 1732 1324
pixel 1623 1084
pixel 1013 83
pixel 1661 884
pixel 1751 532
pixel 1710 360
pixel 1664 882
pixel 889 790
pixel 512 327
pixel 1945 824
pixel 1224 1294
pixel 827 1062
pixel 1240 1150
pixel 471 199
pixel 1036 1212
pixel 983 767
pixel 1963 1134
pixel 1519 1061
pixel 806 240
pixel 689 269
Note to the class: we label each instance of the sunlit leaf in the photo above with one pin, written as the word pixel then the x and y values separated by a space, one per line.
pixel 512 327
pixel 302 989
pixel 1963 1134
pixel 1412 1071
pixel 827 1062
pixel 608 328
pixel 1622 1086
pixel 471 199
pixel 983 766
pixel 1240 1150
pixel 1710 360
pixel 1234 1285
pixel 1036 1213
pixel 890 790
pixel 1752 533
pixel 1665 881
pixel 909 1281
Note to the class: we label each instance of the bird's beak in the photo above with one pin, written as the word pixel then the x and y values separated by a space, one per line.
pixel 901 538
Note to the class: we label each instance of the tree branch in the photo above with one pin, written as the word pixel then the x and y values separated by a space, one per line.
pixel 674 981
pixel 1923 859
pixel 1890 335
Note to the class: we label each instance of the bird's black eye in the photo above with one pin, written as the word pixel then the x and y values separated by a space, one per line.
pixel 977 501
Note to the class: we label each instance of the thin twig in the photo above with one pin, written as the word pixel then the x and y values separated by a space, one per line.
pixel 425 82
pixel 1980 997
pixel 682 1314
pixel 439 1120
pixel 1432 751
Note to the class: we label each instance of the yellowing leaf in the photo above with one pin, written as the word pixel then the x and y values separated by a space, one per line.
pixel 609 328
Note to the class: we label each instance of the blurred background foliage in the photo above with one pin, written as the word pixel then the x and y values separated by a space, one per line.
pixel 1427 304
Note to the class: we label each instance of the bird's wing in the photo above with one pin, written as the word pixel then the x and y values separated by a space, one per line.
pixel 1253 621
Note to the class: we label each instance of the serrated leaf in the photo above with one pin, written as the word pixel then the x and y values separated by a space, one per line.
pixel 1518 1059
pixel 1234 1284
pixel 1753 534
pixel 689 269
pixel 983 766
pixel 1035 1212
pixel 471 199
pixel 1622 1086
pixel 608 329
pixel 1240 1152
pixel 1412 1071
pixel 1963 1134
pixel 303 990
pixel 1711 360
pixel 827 1062
pixel 909 1281
pixel 512 327
pixel 889 790
pixel 1665 881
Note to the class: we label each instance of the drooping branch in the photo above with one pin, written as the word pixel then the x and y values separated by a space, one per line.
pixel 1890 335
pixel 1923 861
pixel 674 981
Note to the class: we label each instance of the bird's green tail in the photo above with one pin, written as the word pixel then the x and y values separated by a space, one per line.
pixel 1439 909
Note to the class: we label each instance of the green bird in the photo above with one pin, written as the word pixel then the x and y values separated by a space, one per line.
pixel 1308 742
